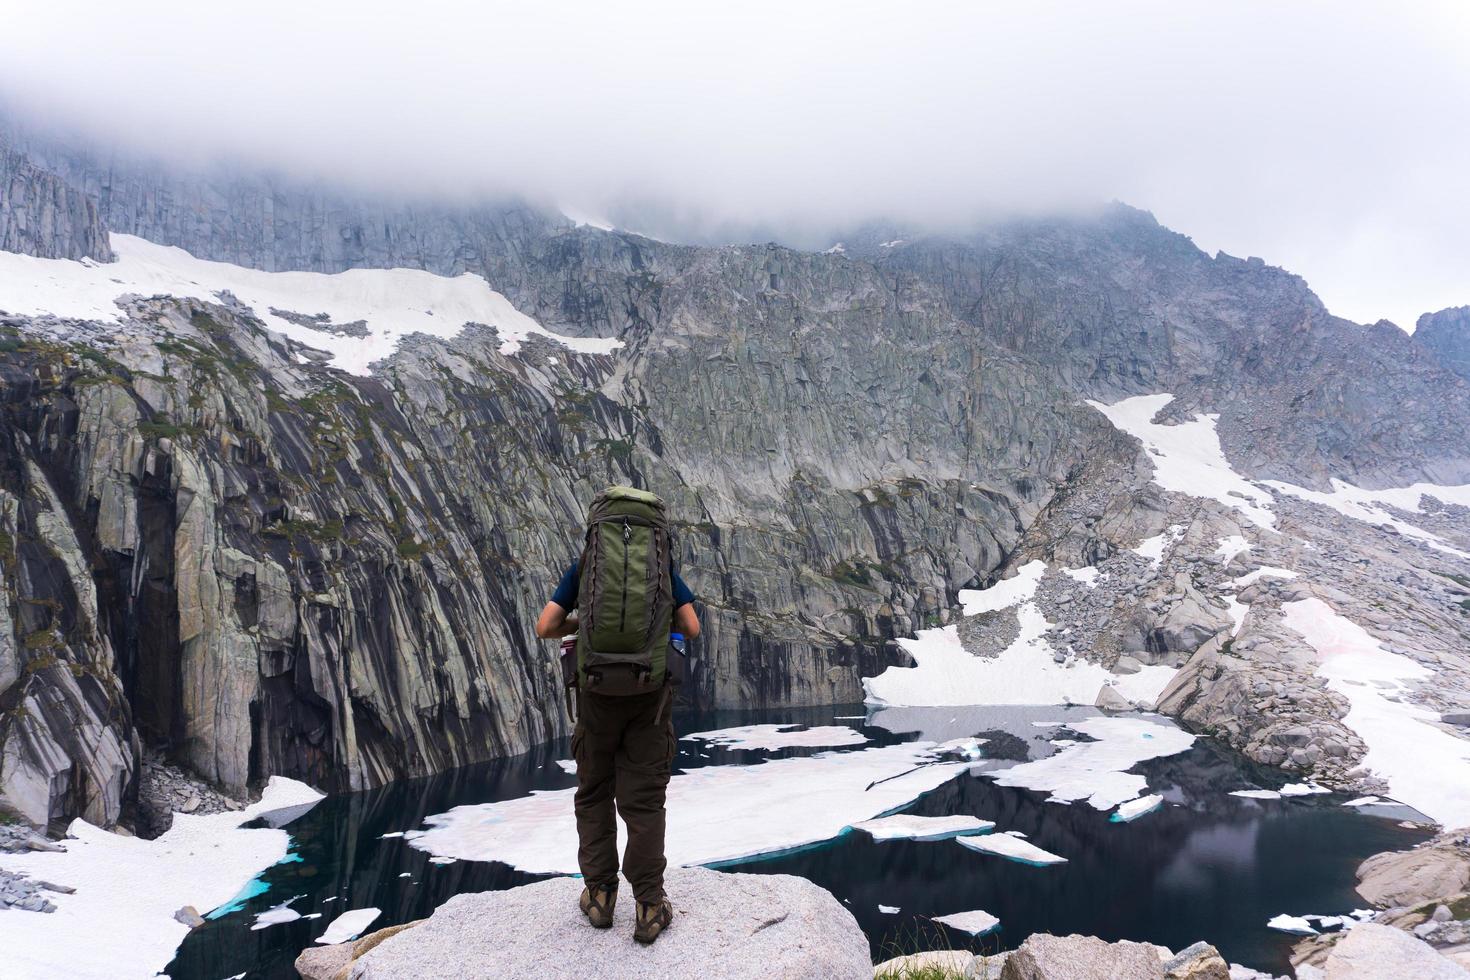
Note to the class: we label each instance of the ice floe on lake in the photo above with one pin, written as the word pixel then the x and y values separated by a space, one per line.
pixel 976 923
pixel 1425 766
pixel 111 927
pixel 1257 794
pixel 348 925
pixel 389 304
pixel 1295 924
pixel 716 813
pixel 905 826
pixel 1012 846
pixel 889 909
pixel 1131 810
pixel 772 737
pixel 1097 771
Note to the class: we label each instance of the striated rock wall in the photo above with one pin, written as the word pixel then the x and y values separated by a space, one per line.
pixel 44 215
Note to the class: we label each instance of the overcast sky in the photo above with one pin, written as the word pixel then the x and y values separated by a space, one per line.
pixel 1330 138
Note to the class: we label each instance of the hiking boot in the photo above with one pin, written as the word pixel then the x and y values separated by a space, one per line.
pixel 653 918
pixel 597 905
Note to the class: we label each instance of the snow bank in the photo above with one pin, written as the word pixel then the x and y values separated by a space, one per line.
pixel 716 813
pixel 977 923
pixel 1006 592
pixel 120 922
pixel 904 826
pixel 1153 548
pixel 1011 846
pixel 1369 506
pixel 1187 457
pixel 945 673
pixel 1425 766
pixel 1087 575
pixel 1098 771
pixel 393 303
pixel 1232 546
pixel 1265 571
pixel 771 737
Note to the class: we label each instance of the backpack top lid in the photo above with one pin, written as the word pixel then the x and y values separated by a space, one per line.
pixel 631 494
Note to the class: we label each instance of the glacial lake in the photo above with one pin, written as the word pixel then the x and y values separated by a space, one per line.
pixel 1205 865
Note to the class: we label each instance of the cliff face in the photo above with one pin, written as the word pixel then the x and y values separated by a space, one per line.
pixel 44 215
pixel 1446 335
pixel 268 566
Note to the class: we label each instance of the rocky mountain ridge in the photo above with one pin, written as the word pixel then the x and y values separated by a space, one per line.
pixel 221 546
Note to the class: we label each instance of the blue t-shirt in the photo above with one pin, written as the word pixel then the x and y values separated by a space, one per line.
pixel 566 590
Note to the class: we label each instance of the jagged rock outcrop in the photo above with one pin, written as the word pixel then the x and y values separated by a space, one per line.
pixel 1446 335
pixel 42 214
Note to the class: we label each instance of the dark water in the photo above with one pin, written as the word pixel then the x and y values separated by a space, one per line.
pixel 1215 867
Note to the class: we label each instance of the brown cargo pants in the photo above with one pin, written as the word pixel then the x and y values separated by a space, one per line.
pixel 624 752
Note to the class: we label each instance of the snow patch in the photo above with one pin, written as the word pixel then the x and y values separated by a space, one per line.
pixel 1425 766
pixel 1005 593
pixel 1265 571
pixel 111 927
pixel 772 737
pixel 1087 575
pixel 1370 506
pixel 945 673
pixel 391 303
pixel 1232 546
pixel 724 813
pixel 1187 456
pixel 1153 548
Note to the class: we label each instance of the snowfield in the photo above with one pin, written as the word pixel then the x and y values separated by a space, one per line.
pixel 389 303
pixel 771 737
pixel 120 922
pixel 1426 767
pixel 945 673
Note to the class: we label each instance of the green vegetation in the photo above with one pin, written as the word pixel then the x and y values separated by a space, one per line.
pixel 916 938
pixel 412 548
pixel 322 533
pixel 42 639
pixel 1459 580
pixel 852 573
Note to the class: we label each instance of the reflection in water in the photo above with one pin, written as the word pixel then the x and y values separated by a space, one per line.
pixel 1211 867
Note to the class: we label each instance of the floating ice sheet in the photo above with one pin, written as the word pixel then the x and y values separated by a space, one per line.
pixel 1257 794
pixel 1303 789
pixel 908 826
pixel 976 923
pixel 1011 846
pixel 889 909
pixel 1295 924
pixel 716 813
pixel 391 303
pixel 1133 809
pixel 111 927
pixel 1098 771
pixel 1425 766
pixel 771 737
pixel 349 925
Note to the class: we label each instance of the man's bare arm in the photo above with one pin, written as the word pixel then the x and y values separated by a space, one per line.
pixel 555 622
pixel 686 621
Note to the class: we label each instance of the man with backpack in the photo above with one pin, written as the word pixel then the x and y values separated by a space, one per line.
pixel 631 601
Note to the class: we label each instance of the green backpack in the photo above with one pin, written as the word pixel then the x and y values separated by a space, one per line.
pixel 626 594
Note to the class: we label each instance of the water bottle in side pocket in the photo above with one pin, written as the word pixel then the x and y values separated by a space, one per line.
pixel 678 659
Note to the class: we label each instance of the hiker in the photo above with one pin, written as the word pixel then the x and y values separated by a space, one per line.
pixel 631 601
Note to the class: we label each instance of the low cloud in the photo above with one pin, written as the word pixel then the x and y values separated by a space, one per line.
pixel 1327 139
